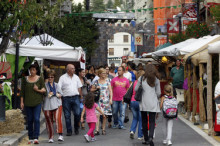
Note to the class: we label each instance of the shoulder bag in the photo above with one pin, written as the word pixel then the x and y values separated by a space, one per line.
pixel 97 92
pixel 138 95
pixel 128 95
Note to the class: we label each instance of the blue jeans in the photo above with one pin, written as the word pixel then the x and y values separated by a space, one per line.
pixel 123 112
pixel 136 118
pixel 118 107
pixel 33 120
pixel 71 103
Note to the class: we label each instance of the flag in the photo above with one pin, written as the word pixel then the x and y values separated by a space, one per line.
pixel 138 39
pixel 132 44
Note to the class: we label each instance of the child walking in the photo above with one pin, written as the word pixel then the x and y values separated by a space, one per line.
pixel 89 108
pixel 170 113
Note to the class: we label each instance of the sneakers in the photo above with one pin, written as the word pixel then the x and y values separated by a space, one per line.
pixel 140 138
pixel 114 126
pixel 86 137
pixel 122 127
pixel 30 141
pixel 169 142
pixel 50 141
pixel 164 142
pixel 36 141
pixel 60 138
pixel 132 135
pixel 93 139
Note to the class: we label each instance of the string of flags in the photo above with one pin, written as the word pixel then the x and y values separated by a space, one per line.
pixel 127 11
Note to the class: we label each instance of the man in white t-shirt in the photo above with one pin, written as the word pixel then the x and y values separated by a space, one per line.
pixel 70 85
pixel 126 74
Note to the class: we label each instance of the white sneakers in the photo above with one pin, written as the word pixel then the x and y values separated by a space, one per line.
pixel 140 138
pixel 86 137
pixel 164 142
pixel 132 135
pixel 60 138
pixel 93 139
pixel 51 141
pixel 168 142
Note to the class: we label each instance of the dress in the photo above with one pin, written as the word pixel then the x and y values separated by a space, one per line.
pixel 105 99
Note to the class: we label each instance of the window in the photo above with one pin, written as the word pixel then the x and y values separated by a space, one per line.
pixel 111 40
pixel 125 38
pixel 125 51
pixel 111 51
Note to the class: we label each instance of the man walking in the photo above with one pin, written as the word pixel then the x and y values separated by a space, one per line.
pixel 71 87
pixel 120 86
pixel 177 74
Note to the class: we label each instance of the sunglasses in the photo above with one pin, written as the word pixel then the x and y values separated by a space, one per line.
pixel 51 77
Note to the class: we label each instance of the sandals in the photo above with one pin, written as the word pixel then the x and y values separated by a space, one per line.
pixel 103 132
pixel 96 132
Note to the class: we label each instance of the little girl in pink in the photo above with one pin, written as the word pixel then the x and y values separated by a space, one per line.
pixel 89 108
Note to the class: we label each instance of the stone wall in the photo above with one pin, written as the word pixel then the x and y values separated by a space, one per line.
pixel 107 29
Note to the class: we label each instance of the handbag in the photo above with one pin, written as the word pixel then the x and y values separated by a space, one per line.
pixel 138 95
pixel 97 93
pixel 128 94
pixel 5 68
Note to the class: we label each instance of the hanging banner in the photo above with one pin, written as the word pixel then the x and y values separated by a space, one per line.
pixel 190 10
pixel 172 26
pixel 138 39
pixel 162 31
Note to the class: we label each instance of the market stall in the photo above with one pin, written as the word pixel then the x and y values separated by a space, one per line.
pixel 196 67
pixel 213 78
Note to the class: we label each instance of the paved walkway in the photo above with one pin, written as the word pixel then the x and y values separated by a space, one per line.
pixel 183 135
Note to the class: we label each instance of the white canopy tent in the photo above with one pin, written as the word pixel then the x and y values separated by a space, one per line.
pixel 184 47
pixel 198 43
pixel 56 51
pixel 174 49
pixel 214 48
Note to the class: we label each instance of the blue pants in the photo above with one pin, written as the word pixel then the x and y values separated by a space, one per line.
pixel 71 103
pixel 118 107
pixel 136 118
pixel 33 120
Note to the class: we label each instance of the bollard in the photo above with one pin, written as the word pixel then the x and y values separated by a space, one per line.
pixel 2 108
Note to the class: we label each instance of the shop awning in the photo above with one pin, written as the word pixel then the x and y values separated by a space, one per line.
pixel 214 48
pixel 56 51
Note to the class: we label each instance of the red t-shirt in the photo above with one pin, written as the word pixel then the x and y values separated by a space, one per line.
pixel 120 86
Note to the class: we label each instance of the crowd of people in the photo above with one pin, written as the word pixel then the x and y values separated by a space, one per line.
pixel 95 96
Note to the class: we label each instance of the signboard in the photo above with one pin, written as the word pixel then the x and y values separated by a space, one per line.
pixel 172 26
pixel 190 10
pixel 138 39
pixel 162 31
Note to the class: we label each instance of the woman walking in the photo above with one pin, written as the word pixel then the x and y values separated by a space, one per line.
pixel 53 108
pixel 32 91
pixel 84 88
pixel 136 116
pixel 149 103
pixel 105 99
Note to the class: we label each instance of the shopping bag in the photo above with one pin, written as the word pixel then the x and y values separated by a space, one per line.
pixel 5 68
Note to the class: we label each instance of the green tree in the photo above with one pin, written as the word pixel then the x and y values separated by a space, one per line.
pixel 117 3
pixel 79 30
pixel 109 4
pixel 193 30
pixel 97 5
pixel 20 18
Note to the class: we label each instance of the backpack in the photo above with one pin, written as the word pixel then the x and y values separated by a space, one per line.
pixel 170 107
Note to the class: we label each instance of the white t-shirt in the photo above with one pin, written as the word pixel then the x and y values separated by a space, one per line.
pixel 95 79
pixel 69 86
pixel 126 75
